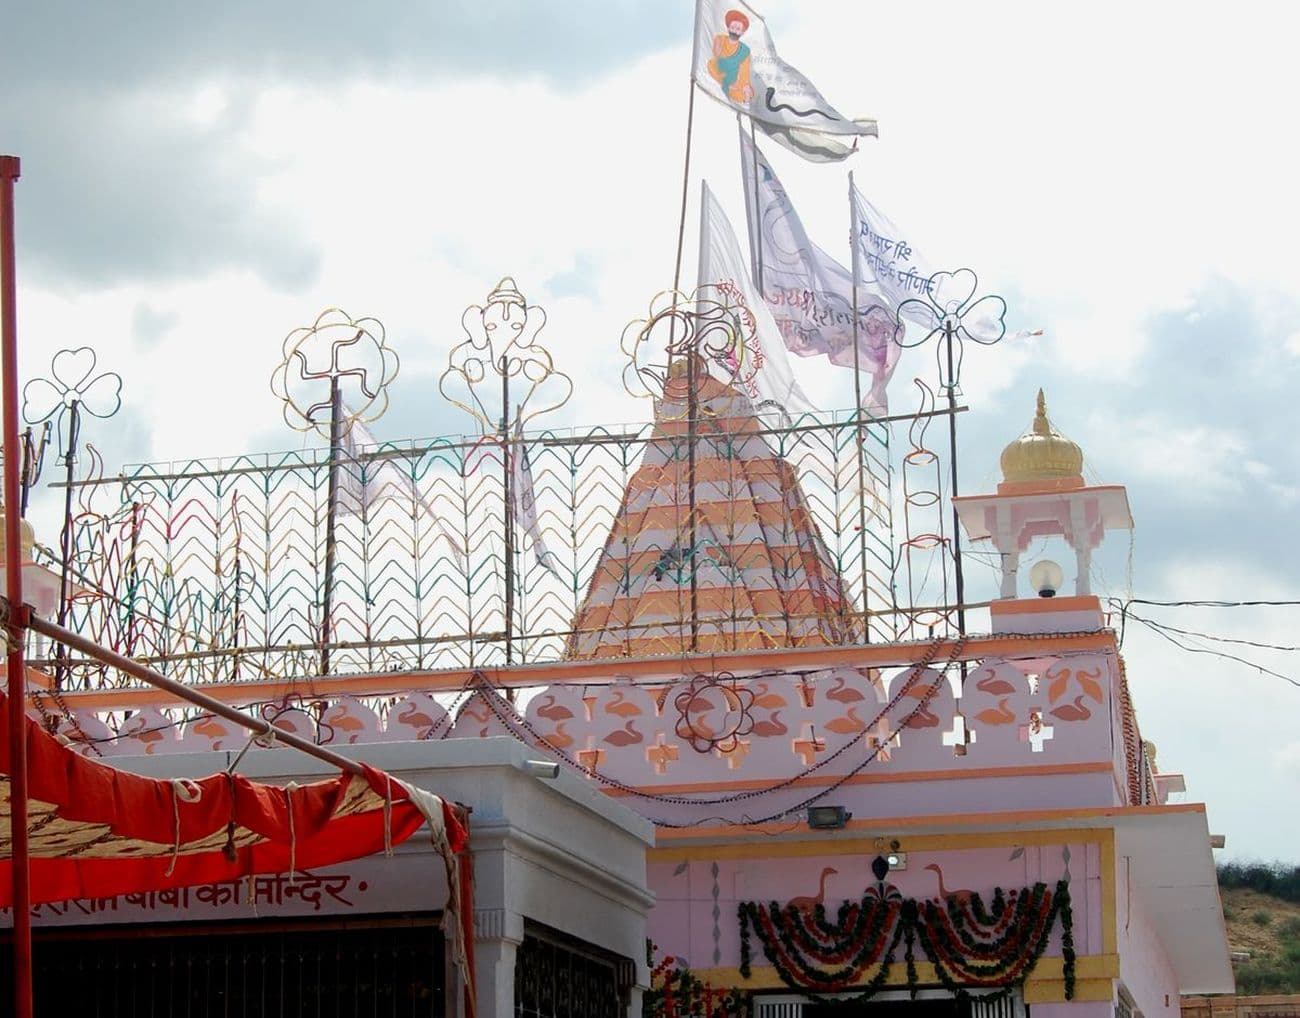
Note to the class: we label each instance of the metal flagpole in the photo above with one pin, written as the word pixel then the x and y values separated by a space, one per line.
pixel 949 328
pixel 757 221
pixel 18 615
pixel 65 538
pixel 857 400
pixel 686 166
pixel 331 514
pixel 506 453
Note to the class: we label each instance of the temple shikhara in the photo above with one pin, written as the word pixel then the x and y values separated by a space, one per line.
pixel 707 715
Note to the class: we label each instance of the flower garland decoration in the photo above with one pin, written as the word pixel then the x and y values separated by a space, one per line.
pixel 969 944
pixel 676 992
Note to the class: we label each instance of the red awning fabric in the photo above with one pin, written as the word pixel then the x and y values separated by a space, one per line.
pixel 96 832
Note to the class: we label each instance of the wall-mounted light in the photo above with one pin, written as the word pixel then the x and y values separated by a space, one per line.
pixel 827 818
pixel 1046 578
pixel 548 769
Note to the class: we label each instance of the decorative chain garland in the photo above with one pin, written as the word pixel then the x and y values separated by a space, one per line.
pixel 968 944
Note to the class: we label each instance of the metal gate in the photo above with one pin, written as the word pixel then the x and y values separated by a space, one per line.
pixel 386 968
pixel 559 977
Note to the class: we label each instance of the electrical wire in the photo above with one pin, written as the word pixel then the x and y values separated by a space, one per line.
pixel 1164 632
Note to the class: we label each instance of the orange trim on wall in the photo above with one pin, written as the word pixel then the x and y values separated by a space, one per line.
pixel 603 671
pixel 1046 770
pixel 1037 605
pixel 896 825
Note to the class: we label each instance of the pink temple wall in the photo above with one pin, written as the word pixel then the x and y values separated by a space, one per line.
pixel 1144 968
pixel 683 923
pixel 1043 734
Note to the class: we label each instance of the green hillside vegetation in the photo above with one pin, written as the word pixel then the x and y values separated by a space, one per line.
pixel 1261 903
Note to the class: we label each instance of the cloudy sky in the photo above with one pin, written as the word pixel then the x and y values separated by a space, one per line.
pixel 198 180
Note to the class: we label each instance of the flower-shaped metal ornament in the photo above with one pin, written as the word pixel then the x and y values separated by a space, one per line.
pixel 338 350
pixel 72 389
pixel 951 310
pixel 712 326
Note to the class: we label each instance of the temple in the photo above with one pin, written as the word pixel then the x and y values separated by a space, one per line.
pixel 648 664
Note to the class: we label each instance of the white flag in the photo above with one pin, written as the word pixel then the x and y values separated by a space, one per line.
pixel 523 497
pixel 759 365
pixel 885 261
pixel 736 63
pixel 365 483
pixel 809 293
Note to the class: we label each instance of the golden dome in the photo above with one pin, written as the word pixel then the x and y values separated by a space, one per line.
pixel 1042 454
pixel 26 539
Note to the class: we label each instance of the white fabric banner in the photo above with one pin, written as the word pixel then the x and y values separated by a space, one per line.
pixel 767 378
pixel 366 483
pixel 523 497
pixel 809 293
pixel 735 62
pixel 885 261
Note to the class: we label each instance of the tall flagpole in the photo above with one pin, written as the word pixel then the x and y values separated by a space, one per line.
pixel 686 164
pixel 857 400
pixel 691 381
pixel 757 221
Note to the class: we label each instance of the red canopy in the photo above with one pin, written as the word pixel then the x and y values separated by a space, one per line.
pixel 97 831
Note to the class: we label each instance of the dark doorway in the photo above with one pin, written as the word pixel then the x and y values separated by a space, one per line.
pixel 922 1007
pixel 391 967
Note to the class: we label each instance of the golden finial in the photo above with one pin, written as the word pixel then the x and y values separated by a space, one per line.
pixel 1041 425
pixel 1042 455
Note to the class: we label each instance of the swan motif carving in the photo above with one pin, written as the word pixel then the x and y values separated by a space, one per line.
pixel 553 711
pixel 995 685
pixel 625 736
pixel 620 706
pixel 1075 711
pixel 999 715
pixel 846 724
pixel 843 692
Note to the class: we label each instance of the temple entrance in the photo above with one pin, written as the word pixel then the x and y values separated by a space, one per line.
pixel 896 1004
pixel 922 1007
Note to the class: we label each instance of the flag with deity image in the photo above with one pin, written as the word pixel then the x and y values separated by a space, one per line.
pixel 808 292
pixel 735 62
pixel 758 364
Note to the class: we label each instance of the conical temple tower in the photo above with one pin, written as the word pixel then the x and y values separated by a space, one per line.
pixel 713 548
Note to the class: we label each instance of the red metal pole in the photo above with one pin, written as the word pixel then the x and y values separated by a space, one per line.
pixel 9 171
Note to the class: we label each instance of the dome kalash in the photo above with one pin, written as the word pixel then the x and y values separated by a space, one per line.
pixel 1042 459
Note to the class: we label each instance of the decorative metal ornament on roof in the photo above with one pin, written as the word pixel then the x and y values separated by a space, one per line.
pixel 714 712
pixel 72 389
pixel 711 324
pixel 950 310
pixel 501 343
pixel 352 356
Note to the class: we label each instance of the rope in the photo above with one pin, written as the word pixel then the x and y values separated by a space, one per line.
pixel 188 791
pixel 388 815
pixel 289 789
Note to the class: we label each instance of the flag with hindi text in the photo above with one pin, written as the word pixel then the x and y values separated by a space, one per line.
pixel 808 292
